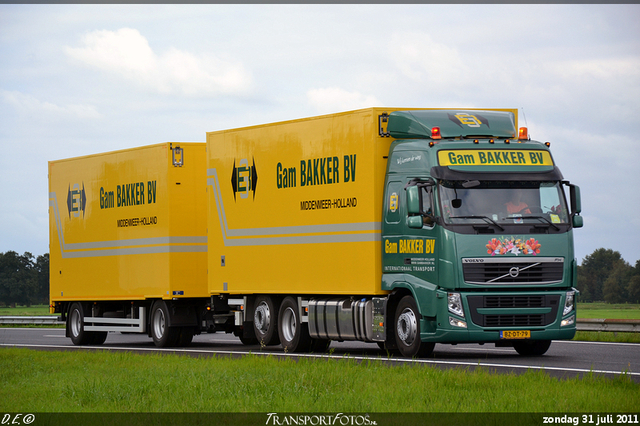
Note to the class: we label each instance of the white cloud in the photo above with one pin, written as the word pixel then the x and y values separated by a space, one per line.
pixel 28 104
pixel 127 53
pixel 333 99
pixel 421 58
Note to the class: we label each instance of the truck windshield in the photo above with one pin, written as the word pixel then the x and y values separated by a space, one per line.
pixel 503 203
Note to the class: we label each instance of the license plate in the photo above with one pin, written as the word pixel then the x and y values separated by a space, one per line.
pixel 515 334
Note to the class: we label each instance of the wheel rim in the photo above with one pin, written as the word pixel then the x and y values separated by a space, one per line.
pixel 262 318
pixel 158 323
pixel 407 327
pixel 76 323
pixel 289 324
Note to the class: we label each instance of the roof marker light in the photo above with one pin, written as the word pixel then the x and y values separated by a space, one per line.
pixel 476 141
pixel 523 133
pixel 435 133
pixel 491 141
pixel 507 141
pixel 548 144
pixel 431 144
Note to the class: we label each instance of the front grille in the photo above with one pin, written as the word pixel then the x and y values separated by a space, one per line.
pixel 514 320
pixel 514 301
pixel 519 303
pixel 513 271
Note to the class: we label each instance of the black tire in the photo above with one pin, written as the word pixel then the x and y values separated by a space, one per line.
pixel 248 341
pixel 246 335
pixel 163 335
pixel 185 337
pixel 294 334
pixel 265 320
pixel 99 337
pixel 407 330
pixel 532 347
pixel 75 326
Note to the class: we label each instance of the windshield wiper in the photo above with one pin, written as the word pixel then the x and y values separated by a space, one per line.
pixel 542 218
pixel 485 218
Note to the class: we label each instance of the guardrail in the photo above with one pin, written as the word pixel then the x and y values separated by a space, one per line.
pixel 42 319
pixel 616 325
pixel 612 325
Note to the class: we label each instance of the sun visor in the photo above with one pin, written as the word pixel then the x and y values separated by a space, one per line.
pixel 417 124
pixel 445 173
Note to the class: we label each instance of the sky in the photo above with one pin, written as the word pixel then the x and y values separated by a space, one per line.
pixel 82 79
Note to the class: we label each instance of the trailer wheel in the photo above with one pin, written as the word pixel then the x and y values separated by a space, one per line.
pixel 163 335
pixel 407 330
pixel 532 347
pixel 294 335
pixel 185 337
pixel 75 326
pixel 99 337
pixel 265 320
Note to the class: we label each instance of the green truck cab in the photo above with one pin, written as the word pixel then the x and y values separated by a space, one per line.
pixel 477 234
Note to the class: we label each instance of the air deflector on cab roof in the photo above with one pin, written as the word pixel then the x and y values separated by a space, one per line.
pixel 417 124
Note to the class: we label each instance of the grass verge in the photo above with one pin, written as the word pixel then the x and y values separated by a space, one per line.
pixel 608 311
pixel 37 381
pixel 33 310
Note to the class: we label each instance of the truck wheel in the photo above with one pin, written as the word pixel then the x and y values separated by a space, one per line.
pixel 265 321
pixel 75 326
pixel 532 347
pixel 99 337
pixel 246 335
pixel 163 335
pixel 248 341
pixel 294 335
pixel 407 330
pixel 185 337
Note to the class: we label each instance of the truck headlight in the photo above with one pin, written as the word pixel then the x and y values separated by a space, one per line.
pixel 455 304
pixel 568 302
pixel 455 322
pixel 568 321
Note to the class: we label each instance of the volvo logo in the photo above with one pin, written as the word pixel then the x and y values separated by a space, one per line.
pixel 514 272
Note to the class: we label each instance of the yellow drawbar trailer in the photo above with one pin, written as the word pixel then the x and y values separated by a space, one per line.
pixel 127 232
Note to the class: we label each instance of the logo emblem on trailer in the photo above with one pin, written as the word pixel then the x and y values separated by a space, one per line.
pixel 76 200
pixel 244 178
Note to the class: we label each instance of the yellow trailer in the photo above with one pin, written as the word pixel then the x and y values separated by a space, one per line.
pixel 127 228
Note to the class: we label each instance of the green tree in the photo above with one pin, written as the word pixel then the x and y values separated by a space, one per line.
pixel 594 271
pixel 42 268
pixel 18 279
pixel 615 286
pixel 633 287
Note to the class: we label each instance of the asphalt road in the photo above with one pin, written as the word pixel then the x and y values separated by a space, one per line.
pixel 564 359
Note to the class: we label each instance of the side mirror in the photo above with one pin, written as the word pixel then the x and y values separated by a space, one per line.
pixel 574 195
pixel 413 202
pixel 577 221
